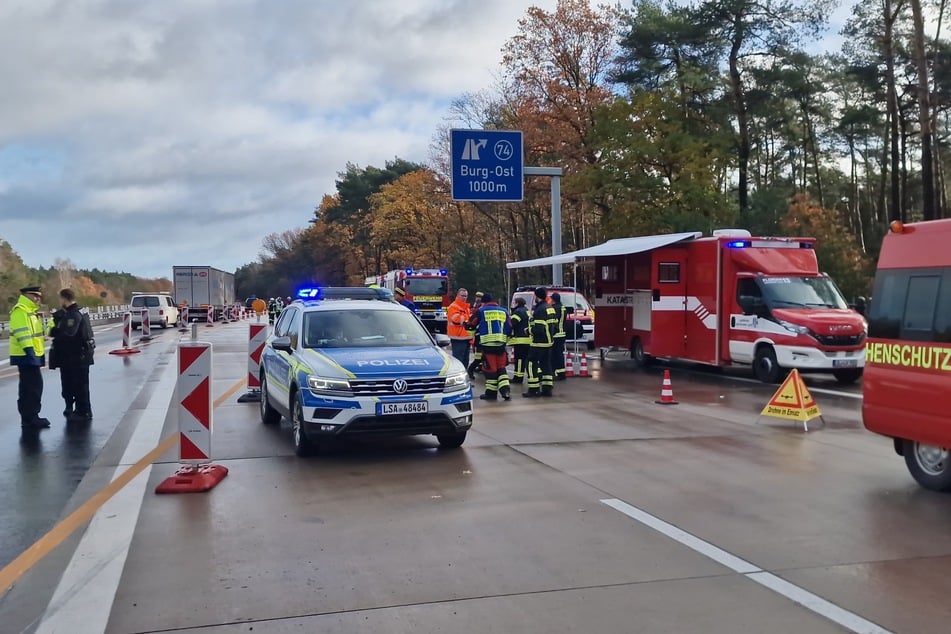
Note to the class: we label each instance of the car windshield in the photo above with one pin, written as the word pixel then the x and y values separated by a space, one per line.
pixel 426 286
pixel 363 329
pixel 801 292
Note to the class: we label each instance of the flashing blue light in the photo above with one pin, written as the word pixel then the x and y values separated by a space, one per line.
pixel 308 293
pixel 409 271
pixel 738 244
pixel 806 245
pixel 443 272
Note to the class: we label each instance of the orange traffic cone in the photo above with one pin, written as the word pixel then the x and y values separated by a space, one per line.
pixel 584 366
pixel 569 365
pixel 666 391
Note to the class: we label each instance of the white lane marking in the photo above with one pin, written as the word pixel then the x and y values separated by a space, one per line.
pixel 818 390
pixel 849 620
pixel 87 589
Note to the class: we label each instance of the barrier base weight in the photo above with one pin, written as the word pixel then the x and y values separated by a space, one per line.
pixel 191 479
pixel 250 397
pixel 125 351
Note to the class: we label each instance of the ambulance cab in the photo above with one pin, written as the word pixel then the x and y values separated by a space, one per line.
pixel 907 382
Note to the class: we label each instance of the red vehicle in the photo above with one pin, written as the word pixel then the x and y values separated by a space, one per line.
pixel 579 323
pixel 427 288
pixel 908 355
pixel 726 299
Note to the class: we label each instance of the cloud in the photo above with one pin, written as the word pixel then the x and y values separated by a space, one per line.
pixel 135 136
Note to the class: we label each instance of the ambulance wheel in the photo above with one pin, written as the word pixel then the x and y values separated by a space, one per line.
pixel 638 355
pixel 765 366
pixel 303 445
pixel 847 376
pixel 269 415
pixel 930 466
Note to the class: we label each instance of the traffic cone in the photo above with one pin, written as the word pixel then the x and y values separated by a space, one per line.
pixel 584 366
pixel 569 365
pixel 666 391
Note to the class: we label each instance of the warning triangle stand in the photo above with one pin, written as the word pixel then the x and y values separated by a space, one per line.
pixel 792 401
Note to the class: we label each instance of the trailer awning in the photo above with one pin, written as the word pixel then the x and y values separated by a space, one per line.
pixel 617 246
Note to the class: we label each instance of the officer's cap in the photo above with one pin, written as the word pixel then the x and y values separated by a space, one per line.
pixel 31 289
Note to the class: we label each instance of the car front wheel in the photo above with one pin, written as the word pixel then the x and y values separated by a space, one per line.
pixel 451 441
pixel 303 445
pixel 269 415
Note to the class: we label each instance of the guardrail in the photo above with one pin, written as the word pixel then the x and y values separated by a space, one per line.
pixel 101 313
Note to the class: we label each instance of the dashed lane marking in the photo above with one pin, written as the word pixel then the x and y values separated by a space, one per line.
pixel 849 620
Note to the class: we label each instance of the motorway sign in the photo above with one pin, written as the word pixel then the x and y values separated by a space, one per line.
pixel 486 165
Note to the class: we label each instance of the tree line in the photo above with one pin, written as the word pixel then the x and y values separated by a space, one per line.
pixel 665 117
pixel 93 287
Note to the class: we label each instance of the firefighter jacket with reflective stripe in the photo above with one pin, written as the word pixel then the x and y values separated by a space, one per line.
pixel 520 334
pixel 494 326
pixel 542 325
pixel 26 334
pixel 457 315
pixel 561 314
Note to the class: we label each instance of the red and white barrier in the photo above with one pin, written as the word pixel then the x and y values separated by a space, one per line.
pixel 126 337
pixel 183 319
pixel 210 319
pixel 195 422
pixel 146 326
pixel 257 335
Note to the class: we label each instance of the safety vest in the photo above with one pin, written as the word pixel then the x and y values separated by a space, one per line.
pixel 494 326
pixel 26 330
pixel 542 325
pixel 457 315
pixel 520 336
pixel 561 312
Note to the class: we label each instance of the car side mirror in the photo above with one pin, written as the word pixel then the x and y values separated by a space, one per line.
pixel 443 341
pixel 282 343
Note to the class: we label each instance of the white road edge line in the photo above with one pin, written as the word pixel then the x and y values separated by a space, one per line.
pixel 849 620
pixel 817 390
pixel 86 591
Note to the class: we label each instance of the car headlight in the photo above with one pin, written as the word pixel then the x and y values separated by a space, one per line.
pixel 796 328
pixel 456 382
pixel 323 385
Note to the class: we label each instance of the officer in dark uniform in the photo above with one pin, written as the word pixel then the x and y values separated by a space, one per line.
pixel 520 340
pixel 72 352
pixel 558 346
pixel 542 326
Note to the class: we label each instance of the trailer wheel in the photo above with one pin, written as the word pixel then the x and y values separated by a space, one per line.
pixel 930 466
pixel 765 366
pixel 638 355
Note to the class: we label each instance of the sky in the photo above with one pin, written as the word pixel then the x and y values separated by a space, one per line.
pixel 135 136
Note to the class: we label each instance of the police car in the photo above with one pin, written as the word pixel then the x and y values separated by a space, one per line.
pixel 354 366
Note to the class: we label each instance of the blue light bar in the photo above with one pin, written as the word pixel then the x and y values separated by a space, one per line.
pixel 308 292
pixel 443 272
pixel 409 271
pixel 738 244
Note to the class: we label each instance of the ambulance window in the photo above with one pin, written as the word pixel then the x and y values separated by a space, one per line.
pixel 609 273
pixel 668 272
pixel 921 302
pixel 942 320
pixel 747 287
pixel 888 304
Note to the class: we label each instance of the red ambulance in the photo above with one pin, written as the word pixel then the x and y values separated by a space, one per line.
pixel 727 299
pixel 908 355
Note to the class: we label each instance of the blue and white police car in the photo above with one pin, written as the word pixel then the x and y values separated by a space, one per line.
pixel 346 366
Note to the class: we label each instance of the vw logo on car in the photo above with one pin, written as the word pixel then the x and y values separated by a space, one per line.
pixel 400 386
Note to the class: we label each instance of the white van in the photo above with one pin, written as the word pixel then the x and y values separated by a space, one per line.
pixel 162 310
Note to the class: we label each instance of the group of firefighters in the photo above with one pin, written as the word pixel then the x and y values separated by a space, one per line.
pixel 537 337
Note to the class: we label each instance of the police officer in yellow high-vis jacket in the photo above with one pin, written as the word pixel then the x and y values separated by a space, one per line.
pixel 27 354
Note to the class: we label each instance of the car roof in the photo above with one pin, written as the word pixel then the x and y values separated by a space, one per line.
pixel 313 305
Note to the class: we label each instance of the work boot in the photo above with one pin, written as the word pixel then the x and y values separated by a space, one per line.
pixel 78 417
pixel 36 423
pixel 561 377
pixel 489 397
pixel 547 393
pixel 517 380
pixel 530 394
pixel 506 394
